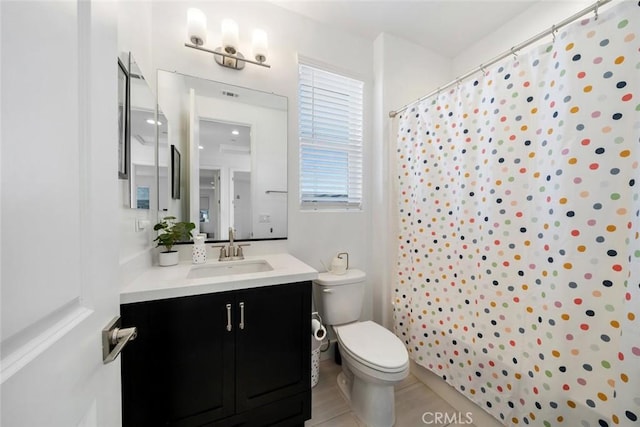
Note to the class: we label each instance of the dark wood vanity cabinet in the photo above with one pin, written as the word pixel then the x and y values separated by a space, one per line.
pixel 239 358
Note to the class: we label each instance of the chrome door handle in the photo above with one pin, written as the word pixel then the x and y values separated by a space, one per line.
pixel 229 317
pixel 241 315
pixel 114 338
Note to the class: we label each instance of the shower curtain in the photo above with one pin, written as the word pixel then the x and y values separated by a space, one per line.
pixel 518 251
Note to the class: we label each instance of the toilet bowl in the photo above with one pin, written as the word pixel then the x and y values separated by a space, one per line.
pixel 373 358
pixel 375 361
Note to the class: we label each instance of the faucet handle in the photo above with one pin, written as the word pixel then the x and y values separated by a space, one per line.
pixel 223 252
pixel 239 253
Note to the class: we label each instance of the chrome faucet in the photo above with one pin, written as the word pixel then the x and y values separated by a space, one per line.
pixel 232 252
pixel 232 249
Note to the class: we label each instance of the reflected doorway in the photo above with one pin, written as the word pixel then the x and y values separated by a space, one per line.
pixel 224 159
pixel 210 203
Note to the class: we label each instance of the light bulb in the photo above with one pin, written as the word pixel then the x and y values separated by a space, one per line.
pixel 230 36
pixel 196 26
pixel 260 45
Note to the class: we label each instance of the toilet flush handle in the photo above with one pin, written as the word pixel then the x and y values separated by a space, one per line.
pixel 327 291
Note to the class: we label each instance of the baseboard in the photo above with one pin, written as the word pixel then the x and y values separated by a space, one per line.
pixel 453 397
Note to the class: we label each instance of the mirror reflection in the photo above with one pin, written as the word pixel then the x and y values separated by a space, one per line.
pixel 234 144
pixel 225 157
pixel 164 187
pixel 143 127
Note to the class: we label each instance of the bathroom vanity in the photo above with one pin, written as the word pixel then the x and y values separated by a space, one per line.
pixel 226 350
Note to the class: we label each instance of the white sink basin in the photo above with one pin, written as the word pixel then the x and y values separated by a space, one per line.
pixel 227 268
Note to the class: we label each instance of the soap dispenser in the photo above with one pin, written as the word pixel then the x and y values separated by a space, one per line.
pixel 199 250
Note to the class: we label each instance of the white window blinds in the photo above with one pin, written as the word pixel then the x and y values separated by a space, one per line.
pixel 330 131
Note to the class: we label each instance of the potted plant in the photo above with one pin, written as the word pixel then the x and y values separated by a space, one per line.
pixel 171 231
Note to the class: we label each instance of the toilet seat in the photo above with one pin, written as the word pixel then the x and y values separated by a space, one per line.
pixel 373 346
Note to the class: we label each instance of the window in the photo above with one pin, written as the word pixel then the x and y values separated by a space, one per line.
pixel 330 132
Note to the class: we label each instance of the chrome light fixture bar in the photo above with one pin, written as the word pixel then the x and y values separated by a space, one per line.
pixel 226 55
pixel 226 60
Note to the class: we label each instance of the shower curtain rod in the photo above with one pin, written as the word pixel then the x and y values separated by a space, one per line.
pixel 593 8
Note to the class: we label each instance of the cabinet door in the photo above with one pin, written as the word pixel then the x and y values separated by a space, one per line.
pixel 180 369
pixel 273 349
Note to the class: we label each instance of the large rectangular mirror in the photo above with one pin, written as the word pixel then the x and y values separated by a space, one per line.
pixel 141 184
pixel 143 141
pixel 233 142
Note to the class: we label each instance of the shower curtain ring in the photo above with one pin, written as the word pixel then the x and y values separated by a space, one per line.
pixel 553 32
pixel 513 52
pixel 595 10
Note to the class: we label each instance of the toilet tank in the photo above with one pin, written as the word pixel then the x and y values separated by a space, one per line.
pixel 339 298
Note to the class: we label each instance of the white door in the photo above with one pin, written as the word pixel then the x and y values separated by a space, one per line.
pixel 59 204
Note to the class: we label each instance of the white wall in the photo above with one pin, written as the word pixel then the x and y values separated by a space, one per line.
pixel 534 20
pixel 134 35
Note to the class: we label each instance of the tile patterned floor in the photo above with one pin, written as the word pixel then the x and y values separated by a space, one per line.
pixel 414 401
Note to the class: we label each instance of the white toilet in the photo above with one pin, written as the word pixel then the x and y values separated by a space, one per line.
pixel 373 358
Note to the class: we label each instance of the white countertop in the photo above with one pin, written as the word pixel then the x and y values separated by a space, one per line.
pixel 171 282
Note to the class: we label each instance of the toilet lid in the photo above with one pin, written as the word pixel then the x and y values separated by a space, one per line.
pixel 351 276
pixel 373 345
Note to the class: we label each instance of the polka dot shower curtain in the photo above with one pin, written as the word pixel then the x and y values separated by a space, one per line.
pixel 518 261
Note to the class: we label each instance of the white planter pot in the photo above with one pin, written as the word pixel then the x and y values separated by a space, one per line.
pixel 165 259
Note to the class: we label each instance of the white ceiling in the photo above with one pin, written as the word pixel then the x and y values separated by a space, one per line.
pixel 214 133
pixel 446 27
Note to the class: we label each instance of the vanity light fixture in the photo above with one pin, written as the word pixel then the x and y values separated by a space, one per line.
pixel 228 54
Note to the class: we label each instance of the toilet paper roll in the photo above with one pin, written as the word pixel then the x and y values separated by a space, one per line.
pixel 317 330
